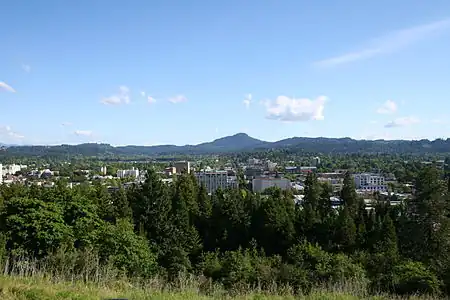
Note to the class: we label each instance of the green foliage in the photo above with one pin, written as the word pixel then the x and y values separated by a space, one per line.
pixel 414 277
pixel 127 250
pixel 234 237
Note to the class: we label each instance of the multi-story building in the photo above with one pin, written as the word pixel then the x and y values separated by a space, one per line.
pixel 103 170
pixel 170 171
pixel 182 167
pixel 13 169
pixel 315 161
pixel 262 183
pixel 370 182
pixel 134 172
pixel 212 180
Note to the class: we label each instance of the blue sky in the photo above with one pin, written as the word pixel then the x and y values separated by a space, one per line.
pixel 183 72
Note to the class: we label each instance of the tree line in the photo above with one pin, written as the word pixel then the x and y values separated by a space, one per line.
pixel 235 237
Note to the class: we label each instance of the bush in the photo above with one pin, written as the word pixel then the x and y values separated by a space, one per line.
pixel 414 277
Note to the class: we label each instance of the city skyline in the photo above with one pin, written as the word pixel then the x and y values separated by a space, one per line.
pixel 171 73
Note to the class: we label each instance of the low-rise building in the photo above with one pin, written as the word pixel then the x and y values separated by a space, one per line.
pixel 262 183
pixel 182 167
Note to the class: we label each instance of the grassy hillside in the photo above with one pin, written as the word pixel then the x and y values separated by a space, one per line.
pixel 39 288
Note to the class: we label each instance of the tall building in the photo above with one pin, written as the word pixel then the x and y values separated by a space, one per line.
pixel 103 170
pixel 262 183
pixel 182 167
pixel 212 180
pixel 370 182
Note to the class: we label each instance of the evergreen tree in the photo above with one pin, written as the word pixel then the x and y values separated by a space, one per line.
pixel 348 194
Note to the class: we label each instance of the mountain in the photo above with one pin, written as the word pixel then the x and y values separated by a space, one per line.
pixel 240 142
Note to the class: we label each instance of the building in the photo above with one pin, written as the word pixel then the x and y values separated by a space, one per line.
pixel 182 167
pixel 13 169
pixel 212 180
pixel 170 171
pixel 271 166
pixel 262 183
pixel 103 170
pixel 370 182
pixel 315 161
pixel 134 172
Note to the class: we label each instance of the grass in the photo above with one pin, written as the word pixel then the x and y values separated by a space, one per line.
pixel 41 288
pixel 60 279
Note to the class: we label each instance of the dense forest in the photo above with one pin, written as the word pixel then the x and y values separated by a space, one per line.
pixel 237 143
pixel 234 237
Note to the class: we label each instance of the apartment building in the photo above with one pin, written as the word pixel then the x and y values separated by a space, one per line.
pixel 370 182
pixel 182 167
pixel 134 172
pixel 212 180
pixel 12 169
pixel 262 183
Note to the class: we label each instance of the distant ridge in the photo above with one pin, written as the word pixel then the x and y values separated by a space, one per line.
pixel 242 142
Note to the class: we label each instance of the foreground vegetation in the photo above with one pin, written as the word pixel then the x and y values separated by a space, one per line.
pixel 231 242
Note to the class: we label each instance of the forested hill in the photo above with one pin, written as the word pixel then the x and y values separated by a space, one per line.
pixel 238 143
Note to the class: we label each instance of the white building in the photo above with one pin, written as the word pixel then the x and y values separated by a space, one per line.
pixel 212 180
pixel 134 172
pixel 262 183
pixel 103 170
pixel 370 182
pixel 13 169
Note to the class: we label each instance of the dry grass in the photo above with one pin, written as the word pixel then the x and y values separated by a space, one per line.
pixel 33 280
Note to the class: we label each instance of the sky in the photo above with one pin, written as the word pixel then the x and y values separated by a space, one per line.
pixel 184 72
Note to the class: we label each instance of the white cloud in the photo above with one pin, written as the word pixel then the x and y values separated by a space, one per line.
pixel 400 122
pixel 122 97
pixel 26 68
pixel 7 132
pixel 66 124
pixel 178 99
pixel 143 94
pixel 247 100
pixel 388 107
pixel 6 87
pixel 151 99
pixel 391 42
pixel 83 132
pixel 294 110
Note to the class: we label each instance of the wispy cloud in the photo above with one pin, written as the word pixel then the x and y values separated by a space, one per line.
pixel 143 94
pixel 177 99
pixel 83 132
pixel 150 99
pixel 388 107
pixel 26 68
pixel 391 42
pixel 66 124
pixel 440 121
pixel 7 132
pixel 4 86
pixel 247 100
pixel 400 122
pixel 122 97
